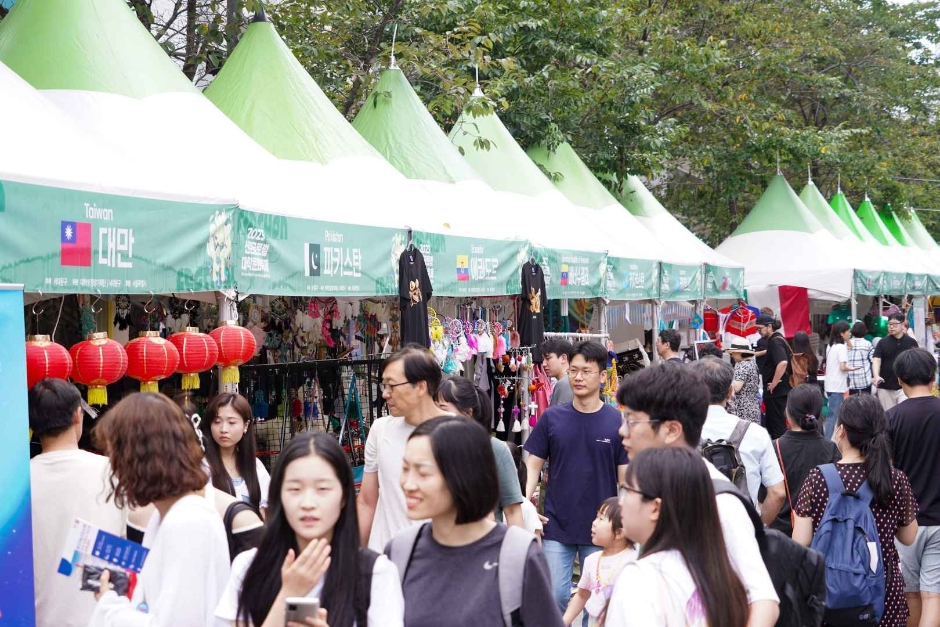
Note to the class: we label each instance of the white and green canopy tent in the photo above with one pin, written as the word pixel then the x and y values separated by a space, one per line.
pixel 916 262
pixel 576 241
pixel 903 232
pixel 917 231
pixel 782 243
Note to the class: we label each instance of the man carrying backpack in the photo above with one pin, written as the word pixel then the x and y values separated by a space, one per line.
pixel 745 448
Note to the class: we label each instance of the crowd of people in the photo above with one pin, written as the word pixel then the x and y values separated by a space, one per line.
pixel 674 508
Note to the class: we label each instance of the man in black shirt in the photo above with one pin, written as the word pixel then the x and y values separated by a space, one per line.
pixel 914 426
pixel 775 372
pixel 882 363
pixel 667 346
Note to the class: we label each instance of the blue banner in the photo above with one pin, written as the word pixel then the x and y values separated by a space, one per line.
pixel 16 526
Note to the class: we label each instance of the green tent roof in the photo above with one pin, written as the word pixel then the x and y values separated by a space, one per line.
pixel 779 209
pixel 877 228
pixel 395 122
pixel 577 182
pixel 840 204
pixel 269 95
pixel 88 45
pixel 896 227
pixel 639 200
pixel 918 231
pixel 821 210
pixel 505 166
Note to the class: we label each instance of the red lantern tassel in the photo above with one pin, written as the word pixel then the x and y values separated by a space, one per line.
pixel 191 381
pixel 97 395
pixel 230 374
pixel 149 386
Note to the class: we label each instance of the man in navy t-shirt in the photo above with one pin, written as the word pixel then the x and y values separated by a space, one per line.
pixel 587 462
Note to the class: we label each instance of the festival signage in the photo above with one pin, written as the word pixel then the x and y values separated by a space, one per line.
pixel 869 283
pixel 631 279
pixel 722 282
pixel 680 282
pixel 466 266
pixel 572 274
pixel 895 283
pixel 61 240
pixel 918 284
pixel 279 255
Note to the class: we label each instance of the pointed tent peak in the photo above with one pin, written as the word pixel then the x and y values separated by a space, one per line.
pixel 577 182
pixel 260 14
pixel 779 209
pixel 396 123
pixel 821 210
pixel 265 90
pixel 639 200
pixel 842 208
pixel 493 152
pixel 869 217
pixel 918 231
pixel 896 227
pixel 91 45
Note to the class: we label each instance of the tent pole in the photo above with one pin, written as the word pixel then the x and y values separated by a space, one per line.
pixel 853 304
pixel 657 314
pixel 228 310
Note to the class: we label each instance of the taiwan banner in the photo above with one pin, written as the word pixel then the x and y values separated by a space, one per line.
pixel 467 266
pixel 680 282
pixel 58 240
pixel 631 279
pixel 278 255
pixel 572 274
pixel 724 283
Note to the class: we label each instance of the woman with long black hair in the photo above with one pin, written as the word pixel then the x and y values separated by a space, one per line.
pixel 837 372
pixel 862 437
pixel 684 576
pixel 310 548
pixel 230 450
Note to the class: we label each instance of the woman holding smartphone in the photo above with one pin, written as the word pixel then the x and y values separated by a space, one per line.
pixel 230 451
pixel 310 550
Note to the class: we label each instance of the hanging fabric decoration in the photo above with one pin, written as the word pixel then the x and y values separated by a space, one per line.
pixel 198 352
pixel 150 359
pixel 98 362
pixel 236 346
pixel 531 324
pixel 46 359
pixel 516 425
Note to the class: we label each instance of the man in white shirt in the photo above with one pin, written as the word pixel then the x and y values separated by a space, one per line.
pixel 409 386
pixel 666 405
pixel 756 449
pixel 66 483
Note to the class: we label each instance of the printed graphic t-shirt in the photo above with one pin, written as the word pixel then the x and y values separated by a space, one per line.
pixel 414 290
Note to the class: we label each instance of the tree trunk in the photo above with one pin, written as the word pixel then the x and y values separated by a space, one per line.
pixel 231 26
pixel 191 62
pixel 371 51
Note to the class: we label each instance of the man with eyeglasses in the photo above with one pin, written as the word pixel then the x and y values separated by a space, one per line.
pixel 587 461
pixel 882 363
pixel 409 385
pixel 667 405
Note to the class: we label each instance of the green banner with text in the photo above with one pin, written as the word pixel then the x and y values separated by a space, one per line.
pixel 631 279
pixel 61 240
pixel 869 283
pixel 724 283
pixel 467 266
pixel 293 256
pixel 572 274
pixel 680 282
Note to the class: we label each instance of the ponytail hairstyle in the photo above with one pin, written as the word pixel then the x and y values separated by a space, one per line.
pixel 777 325
pixel 804 407
pixel 838 329
pixel 867 430
pixel 468 399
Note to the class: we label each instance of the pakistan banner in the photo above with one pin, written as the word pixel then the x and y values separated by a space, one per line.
pixel 58 240
pixel 680 282
pixel 278 255
pixel 725 283
pixel 632 279
pixel 466 266
pixel 572 274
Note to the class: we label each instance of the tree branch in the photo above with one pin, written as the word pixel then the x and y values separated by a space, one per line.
pixel 371 52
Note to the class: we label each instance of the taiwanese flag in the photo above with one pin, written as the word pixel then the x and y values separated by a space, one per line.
pixel 75 244
pixel 564 274
pixel 463 267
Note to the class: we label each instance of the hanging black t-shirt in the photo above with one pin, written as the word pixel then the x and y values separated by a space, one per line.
pixel 414 290
pixel 531 323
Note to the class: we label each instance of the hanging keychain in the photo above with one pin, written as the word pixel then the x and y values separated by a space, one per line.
pixel 516 425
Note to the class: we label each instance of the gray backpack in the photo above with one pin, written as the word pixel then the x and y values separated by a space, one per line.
pixel 724 455
pixel 510 568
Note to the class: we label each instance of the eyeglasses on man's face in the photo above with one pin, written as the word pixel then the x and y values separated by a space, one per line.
pixel 576 373
pixel 628 423
pixel 390 387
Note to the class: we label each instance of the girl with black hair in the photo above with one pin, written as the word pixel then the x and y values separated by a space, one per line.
pixel 804 354
pixel 230 451
pixel 862 437
pixel 837 369
pixel 684 576
pixel 452 566
pixel 801 448
pixel 459 396
pixel 310 548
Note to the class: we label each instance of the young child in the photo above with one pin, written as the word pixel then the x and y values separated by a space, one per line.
pixel 601 569
pixel 530 514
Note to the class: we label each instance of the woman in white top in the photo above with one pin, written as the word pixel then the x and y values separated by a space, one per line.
pixel 837 369
pixel 230 450
pixel 155 459
pixel 310 548
pixel 684 576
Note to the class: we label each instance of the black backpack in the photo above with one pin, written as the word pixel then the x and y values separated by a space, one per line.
pixel 724 455
pixel 798 573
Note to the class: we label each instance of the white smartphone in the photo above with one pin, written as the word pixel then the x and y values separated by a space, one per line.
pixel 298 608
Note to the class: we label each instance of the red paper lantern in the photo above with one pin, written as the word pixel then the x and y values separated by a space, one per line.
pixel 236 346
pixel 98 362
pixel 150 358
pixel 198 352
pixel 45 358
